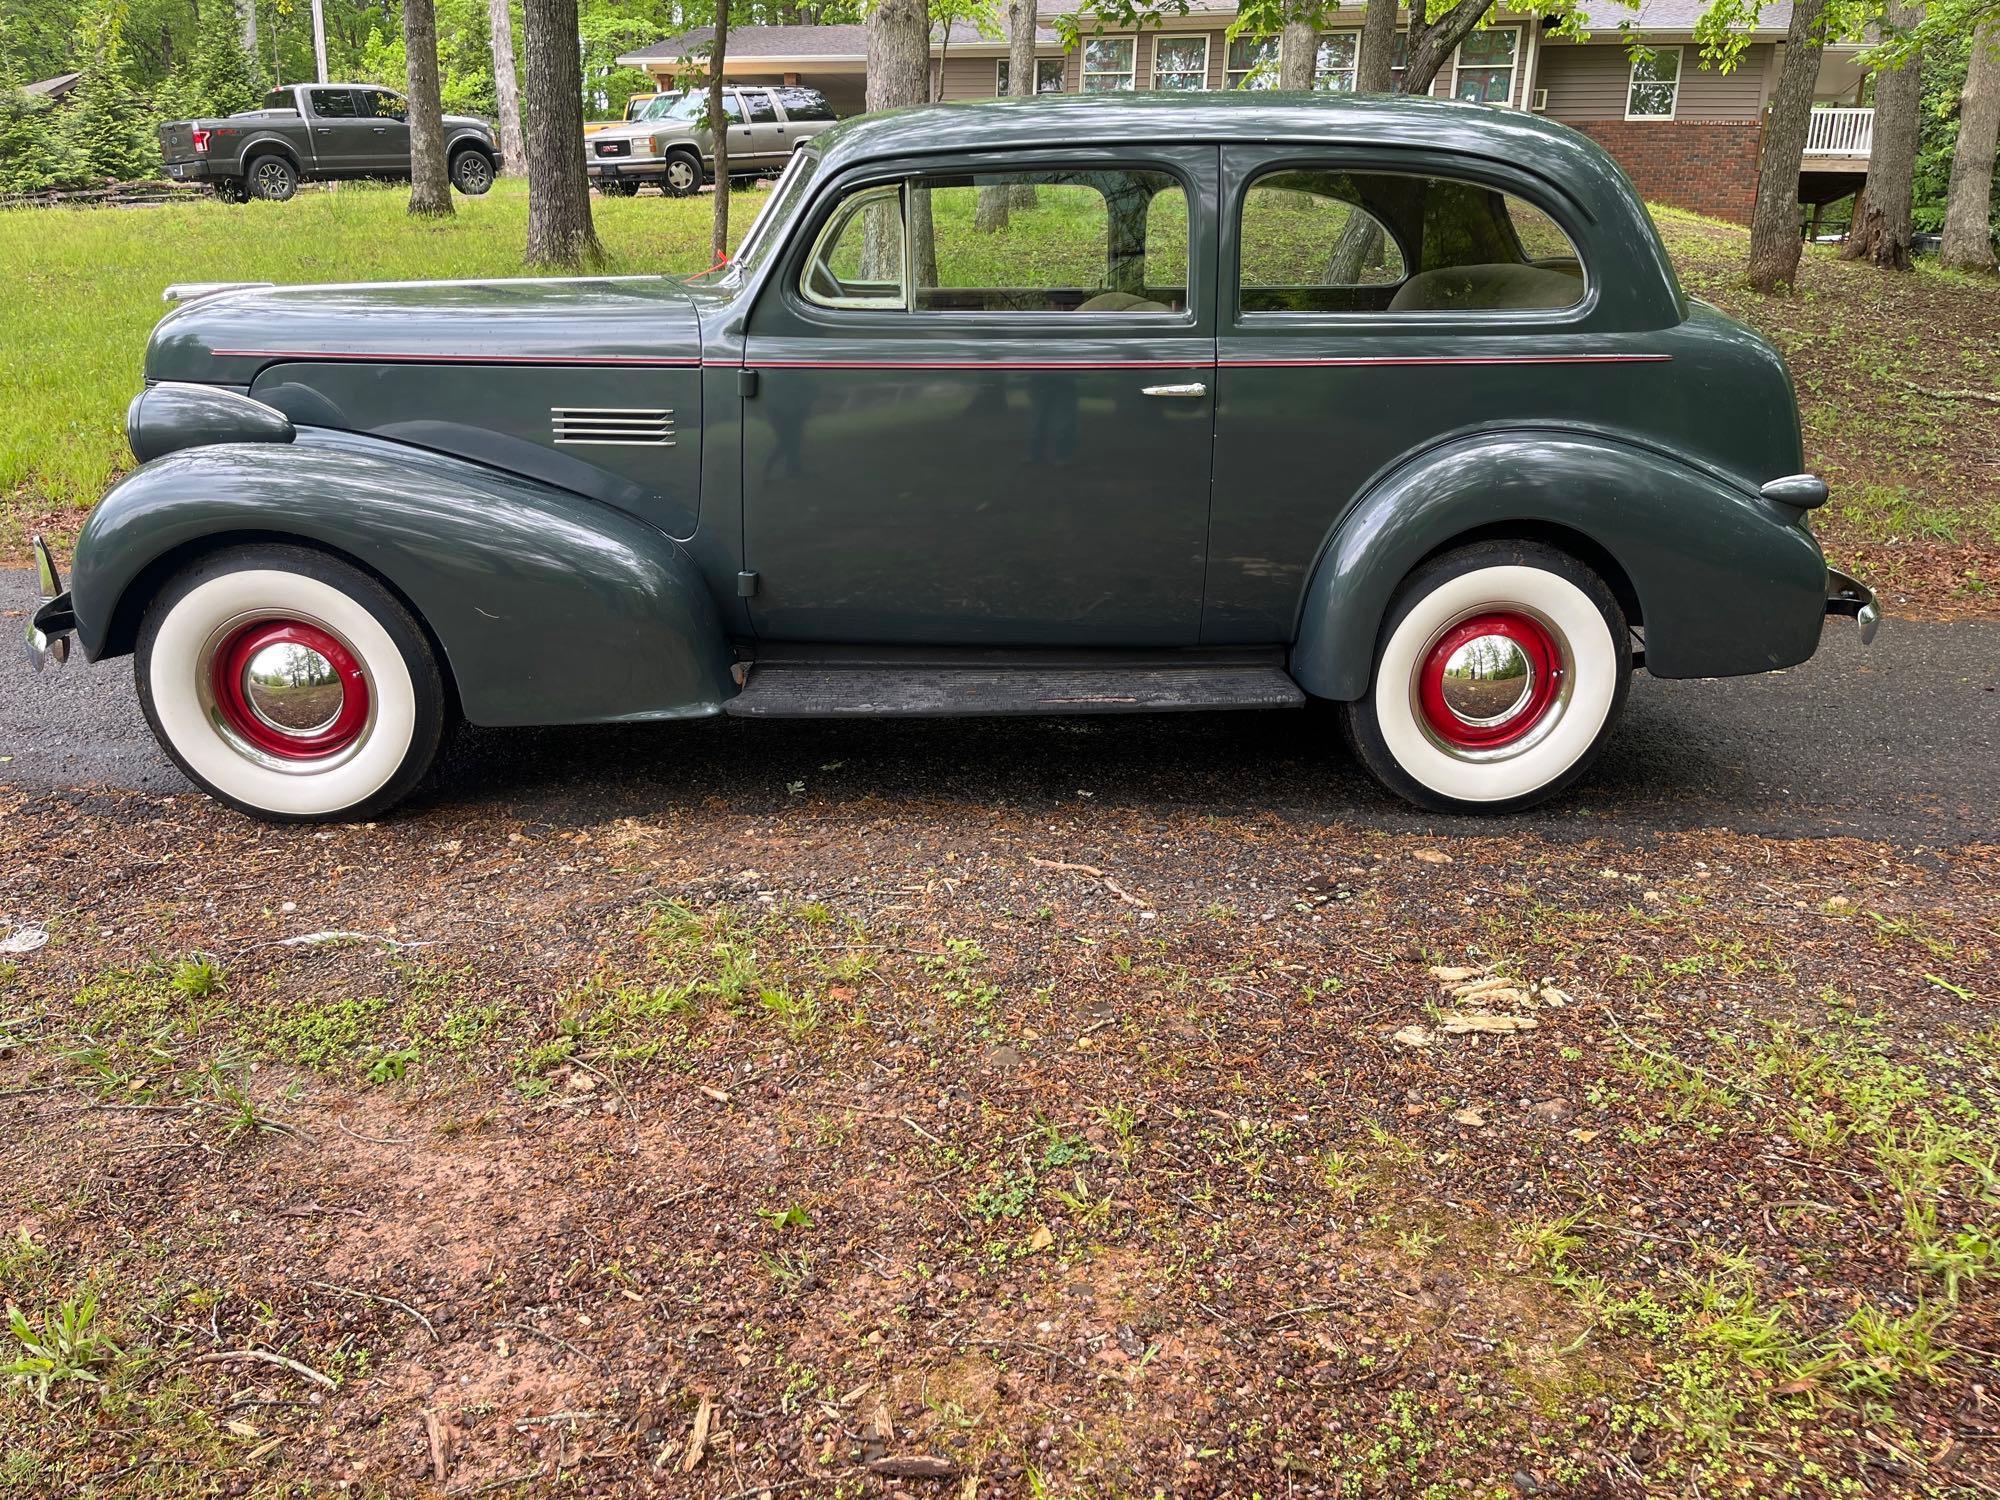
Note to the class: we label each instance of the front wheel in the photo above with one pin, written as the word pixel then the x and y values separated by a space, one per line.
pixel 619 187
pixel 290 685
pixel 1499 672
pixel 471 173
pixel 682 174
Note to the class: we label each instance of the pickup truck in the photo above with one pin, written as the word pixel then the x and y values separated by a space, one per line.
pixel 318 131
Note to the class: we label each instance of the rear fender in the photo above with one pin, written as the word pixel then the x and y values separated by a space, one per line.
pixel 550 609
pixel 1725 581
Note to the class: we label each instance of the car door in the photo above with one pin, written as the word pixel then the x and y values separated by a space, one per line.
pixel 1370 304
pixel 341 142
pixel 964 433
pixel 742 145
pixel 764 130
pixel 388 121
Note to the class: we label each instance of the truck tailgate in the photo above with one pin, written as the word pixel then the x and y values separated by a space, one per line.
pixel 177 141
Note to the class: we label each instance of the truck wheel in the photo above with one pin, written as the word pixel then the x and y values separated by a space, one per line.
pixel 619 187
pixel 273 178
pixel 471 172
pixel 682 175
pixel 290 685
pixel 1500 670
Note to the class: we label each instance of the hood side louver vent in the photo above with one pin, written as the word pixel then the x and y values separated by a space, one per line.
pixel 614 426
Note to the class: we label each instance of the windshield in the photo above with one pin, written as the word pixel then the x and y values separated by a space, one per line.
pixel 658 109
pixel 692 105
pixel 767 230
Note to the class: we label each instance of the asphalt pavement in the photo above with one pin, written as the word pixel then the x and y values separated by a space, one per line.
pixel 1898 741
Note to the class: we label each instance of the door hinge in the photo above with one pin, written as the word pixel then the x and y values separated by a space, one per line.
pixel 746 383
pixel 746 585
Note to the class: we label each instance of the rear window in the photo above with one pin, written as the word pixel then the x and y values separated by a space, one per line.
pixel 804 104
pixel 282 99
pixel 1321 240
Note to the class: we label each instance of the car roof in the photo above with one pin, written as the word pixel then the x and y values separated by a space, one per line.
pixel 1248 116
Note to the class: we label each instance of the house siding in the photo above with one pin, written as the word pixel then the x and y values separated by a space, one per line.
pixel 1589 82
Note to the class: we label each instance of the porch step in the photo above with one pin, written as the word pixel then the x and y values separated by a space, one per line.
pixel 821 690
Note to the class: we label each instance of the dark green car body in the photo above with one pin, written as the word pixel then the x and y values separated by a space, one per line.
pixel 604 496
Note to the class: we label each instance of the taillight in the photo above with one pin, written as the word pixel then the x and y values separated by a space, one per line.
pixel 200 141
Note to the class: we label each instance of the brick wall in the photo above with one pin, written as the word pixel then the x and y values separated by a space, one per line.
pixel 1707 166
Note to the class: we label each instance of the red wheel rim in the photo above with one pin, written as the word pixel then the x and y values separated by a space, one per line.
pixel 237 698
pixel 1538 651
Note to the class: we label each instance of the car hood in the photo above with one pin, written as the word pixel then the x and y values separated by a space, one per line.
pixel 639 130
pixel 230 337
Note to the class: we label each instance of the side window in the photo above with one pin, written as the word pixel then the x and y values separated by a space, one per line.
pixel 333 104
pixel 1053 241
pixel 380 104
pixel 281 99
pixel 804 104
pixel 762 110
pixel 1325 241
pixel 858 259
pixel 1307 245
pixel 1049 241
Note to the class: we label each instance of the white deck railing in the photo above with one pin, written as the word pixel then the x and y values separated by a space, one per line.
pixel 1840 132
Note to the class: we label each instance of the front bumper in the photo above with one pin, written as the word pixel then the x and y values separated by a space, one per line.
pixel 1847 595
pixel 641 169
pixel 54 618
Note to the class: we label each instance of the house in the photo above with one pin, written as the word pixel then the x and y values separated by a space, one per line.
pixel 1688 135
pixel 52 88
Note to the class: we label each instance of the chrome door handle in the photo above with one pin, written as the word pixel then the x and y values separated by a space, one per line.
pixel 1192 388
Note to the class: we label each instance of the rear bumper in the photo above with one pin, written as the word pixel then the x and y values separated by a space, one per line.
pixel 198 170
pixel 1847 595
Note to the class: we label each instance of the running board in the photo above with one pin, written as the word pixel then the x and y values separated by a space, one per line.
pixel 830 691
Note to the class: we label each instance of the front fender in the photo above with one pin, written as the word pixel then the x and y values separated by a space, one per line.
pixel 1726 582
pixel 551 609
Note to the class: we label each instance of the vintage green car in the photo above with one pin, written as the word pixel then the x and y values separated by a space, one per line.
pixel 1070 405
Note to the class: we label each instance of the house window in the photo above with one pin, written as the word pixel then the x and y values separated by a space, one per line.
pixel 1485 71
pixel 1107 64
pixel 1654 93
pixel 1334 67
pixel 1048 76
pixel 1399 61
pixel 1253 62
pixel 1180 63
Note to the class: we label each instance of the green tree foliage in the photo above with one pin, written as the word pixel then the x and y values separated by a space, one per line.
pixel 216 78
pixel 106 123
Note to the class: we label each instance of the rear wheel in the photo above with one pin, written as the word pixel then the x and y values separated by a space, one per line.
pixel 471 172
pixel 1500 670
pixel 290 685
pixel 682 174
pixel 619 187
pixel 273 178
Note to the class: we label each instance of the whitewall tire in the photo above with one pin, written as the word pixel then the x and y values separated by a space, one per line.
pixel 290 685
pixel 1499 671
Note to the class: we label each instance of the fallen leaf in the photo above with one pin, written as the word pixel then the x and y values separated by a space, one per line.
pixel 1471 1118
pixel 1431 856
pixel 718 1095
pixel 1459 1024
pixel 1041 1239
pixel 1454 976
pixel 1414 1036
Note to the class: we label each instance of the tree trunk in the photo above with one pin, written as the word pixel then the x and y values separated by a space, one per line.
pixel 1882 228
pixel 718 133
pixel 1968 214
pixel 1774 223
pixel 1298 55
pixel 899 73
pixel 247 11
pixel 559 229
pixel 1432 43
pixel 506 86
pixel 1021 80
pixel 430 186
pixel 1378 44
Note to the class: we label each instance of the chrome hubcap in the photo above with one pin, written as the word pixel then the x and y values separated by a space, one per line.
pixel 293 689
pixel 680 174
pixel 1488 680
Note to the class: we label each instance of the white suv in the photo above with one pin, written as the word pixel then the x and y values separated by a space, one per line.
pixel 670 145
